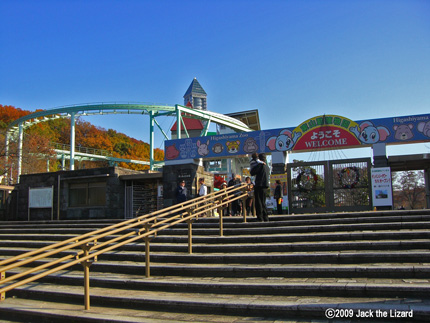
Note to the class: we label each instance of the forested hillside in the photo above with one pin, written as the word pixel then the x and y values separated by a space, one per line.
pixel 39 140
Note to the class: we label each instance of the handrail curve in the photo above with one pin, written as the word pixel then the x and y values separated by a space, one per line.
pixel 92 244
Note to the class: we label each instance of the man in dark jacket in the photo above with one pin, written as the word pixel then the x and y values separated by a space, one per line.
pixel 235 206
pixel 181 192
pixel 262 176
pixel 278 196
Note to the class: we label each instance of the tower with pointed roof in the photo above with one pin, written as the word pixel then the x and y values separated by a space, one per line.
pixel 195 96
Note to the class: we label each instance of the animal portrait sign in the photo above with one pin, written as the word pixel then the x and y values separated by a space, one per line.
pixel 317 133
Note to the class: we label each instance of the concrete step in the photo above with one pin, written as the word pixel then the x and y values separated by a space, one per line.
pixel 327 281
pixel 238 219
pixel 263 257
pixel 10 248
pixel 402 234
pixel 295 267
pixel 28 310
pixel 274 306
pixel 246 229
pixel 304 229
pixel 340 271
pixel 229 222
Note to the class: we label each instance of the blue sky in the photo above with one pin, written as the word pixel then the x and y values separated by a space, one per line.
pixel 291 60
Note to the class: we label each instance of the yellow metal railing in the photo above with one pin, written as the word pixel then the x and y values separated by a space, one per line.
pixel 85 249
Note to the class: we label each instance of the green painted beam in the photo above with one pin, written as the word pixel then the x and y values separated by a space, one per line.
pixel 65 153
pixel 153 110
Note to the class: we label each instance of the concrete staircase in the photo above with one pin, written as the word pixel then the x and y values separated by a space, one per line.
pixel 295 267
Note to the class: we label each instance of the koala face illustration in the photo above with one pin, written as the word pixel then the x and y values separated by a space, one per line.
pixel 369 134
pixel 284 141
pixel 233 146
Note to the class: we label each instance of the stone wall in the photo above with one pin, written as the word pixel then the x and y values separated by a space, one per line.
pixel 61 181
pixel 114 207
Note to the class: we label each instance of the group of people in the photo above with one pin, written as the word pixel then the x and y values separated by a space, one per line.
pixel 256 192
pixel 236 206
pixel 182 193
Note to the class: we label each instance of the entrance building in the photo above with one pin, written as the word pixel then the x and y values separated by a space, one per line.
pixel 193 152
pixel 324 186
pixel 330 186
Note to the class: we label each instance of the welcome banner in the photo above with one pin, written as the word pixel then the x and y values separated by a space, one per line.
pixel 318 133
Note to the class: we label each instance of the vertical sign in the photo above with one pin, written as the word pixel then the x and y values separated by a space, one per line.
pixel 381 187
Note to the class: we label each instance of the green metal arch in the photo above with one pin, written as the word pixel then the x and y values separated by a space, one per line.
pixel 17 127
pixel 88 110
pixel 124 108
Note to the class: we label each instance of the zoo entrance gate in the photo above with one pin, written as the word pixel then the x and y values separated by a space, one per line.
pixel 330 186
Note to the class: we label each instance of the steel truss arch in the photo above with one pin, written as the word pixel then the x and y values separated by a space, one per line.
pixel 87 110
pixel 17 127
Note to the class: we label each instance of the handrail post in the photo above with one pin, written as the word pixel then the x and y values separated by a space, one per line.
pixel 220 212
pixel 244 209
pixel 190 232
pixel 147 256
pixel 190 236
pixel 2 277
pixel 87 284
pixel 244 205
pixel 221 230
pixel 86 264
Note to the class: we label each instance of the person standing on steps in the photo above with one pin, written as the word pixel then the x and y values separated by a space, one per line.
pixel 235 206
pixel 278 196
pixel 181 193
pixel 203 188
pixel 262 175
pixel 203 191
pixel 254 161
pixel 250 199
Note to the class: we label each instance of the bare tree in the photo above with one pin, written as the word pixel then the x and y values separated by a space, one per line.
pixel 409 188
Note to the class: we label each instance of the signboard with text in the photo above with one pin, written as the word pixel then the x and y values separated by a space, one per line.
pixel 381 186
pixel 318 133
pixel 41 197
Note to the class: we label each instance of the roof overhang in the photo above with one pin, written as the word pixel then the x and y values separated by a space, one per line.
pixel 250 118
pixel 143 176
pixel 409 162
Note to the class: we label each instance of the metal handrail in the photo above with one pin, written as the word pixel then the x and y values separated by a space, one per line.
pixel 142 227
pixel 85 150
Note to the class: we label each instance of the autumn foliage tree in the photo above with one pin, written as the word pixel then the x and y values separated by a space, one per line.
pixel 39 139
pixel 36 149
